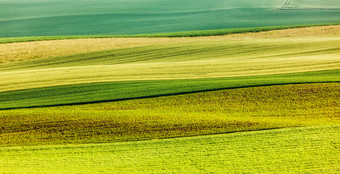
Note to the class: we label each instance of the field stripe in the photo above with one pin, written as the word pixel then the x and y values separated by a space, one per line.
pixel 114 91
pixel 190 51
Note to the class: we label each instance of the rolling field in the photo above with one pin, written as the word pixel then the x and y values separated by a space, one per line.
pixel 106 17
pixel 262 102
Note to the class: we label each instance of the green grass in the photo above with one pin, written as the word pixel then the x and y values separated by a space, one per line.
pixel 106 17
pixel 197 33
pixel 245 109
pixel 298 150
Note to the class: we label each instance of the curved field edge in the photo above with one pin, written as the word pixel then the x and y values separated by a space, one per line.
pixel 197 33
pixel 115 91
pixel 294 150
pixel 231 110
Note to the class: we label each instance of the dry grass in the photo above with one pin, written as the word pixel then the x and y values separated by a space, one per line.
pixel 293 32
pixel 42 49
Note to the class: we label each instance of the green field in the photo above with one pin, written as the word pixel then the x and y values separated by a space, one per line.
pixel 90 87
pixel 106 17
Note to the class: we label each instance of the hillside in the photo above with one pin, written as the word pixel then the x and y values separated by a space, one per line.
pixel 106 17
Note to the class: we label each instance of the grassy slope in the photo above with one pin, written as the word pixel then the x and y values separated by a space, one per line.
pixel 54 18
pixel 203 113
pixel 298 150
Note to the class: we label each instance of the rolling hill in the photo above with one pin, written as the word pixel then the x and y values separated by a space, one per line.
pixel 106 17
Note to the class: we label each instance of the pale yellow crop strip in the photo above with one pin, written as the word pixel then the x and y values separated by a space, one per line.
pixel 43 49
